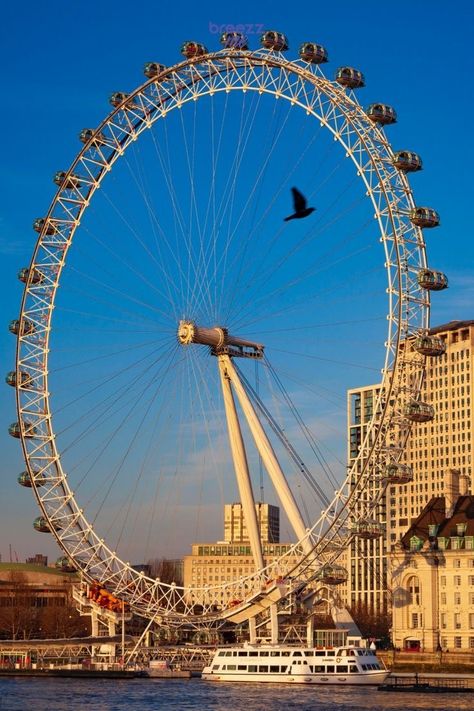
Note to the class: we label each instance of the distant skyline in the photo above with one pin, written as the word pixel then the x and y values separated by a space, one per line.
pixel 60 70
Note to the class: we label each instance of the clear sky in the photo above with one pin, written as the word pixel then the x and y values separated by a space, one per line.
pixel 61 62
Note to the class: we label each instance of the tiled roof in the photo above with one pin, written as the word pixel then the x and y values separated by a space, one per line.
pixel 435 513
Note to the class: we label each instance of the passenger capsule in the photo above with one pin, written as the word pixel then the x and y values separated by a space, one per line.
pixel 88 134
pixel 368 529
pixel 42 525
pixel 424 217
pixel 65 181
pixel 15 431
pixel 34 276
pixel 192 49
pixel 407 161
pixel 25 379
pixel 431 280
pixel 313 53
pixel 274 40
pixel 117 98
pixel 382 113
pixel 26 328
pixel 418 411
pixel 65 565
pixel 396 473
pixel 45 226
pixel 350 78
pixel 152 69
pixel 24 479
pixel 234 40
pixel 430 345
pixel 331 574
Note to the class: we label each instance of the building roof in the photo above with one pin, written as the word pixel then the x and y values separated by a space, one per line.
pixel 451 326
pixel 435 513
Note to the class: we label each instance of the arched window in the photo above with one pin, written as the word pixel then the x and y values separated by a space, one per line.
pixel 414 590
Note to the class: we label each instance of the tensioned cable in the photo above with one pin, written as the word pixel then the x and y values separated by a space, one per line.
pixel 301 466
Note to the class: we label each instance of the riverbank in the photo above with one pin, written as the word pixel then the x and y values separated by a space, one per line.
pixel 439 662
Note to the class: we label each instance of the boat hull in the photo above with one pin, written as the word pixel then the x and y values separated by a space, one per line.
pixel 366 679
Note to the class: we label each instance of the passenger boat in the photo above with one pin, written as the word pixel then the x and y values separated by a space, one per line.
pixel 296 665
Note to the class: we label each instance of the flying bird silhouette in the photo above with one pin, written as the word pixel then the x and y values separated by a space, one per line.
pixel 299 205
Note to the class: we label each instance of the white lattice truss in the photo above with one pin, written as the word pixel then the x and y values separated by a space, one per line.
pixel 305 87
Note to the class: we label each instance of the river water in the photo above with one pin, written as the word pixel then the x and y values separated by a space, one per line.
pixel 38 694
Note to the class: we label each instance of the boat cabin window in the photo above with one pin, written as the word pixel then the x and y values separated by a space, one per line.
pixel 263 669
pixel 353 670
pixel 253 668
pixel 330 669
pixel 242 654
pixel 297 654
pixel 341 669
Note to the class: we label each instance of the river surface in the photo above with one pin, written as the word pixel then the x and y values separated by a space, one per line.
pixel 37 694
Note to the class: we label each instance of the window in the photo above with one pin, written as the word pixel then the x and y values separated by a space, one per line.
pixel 457 620
pixel 471 621
pixel 443 620
pixel 458 642
pixel 457 598
pixel 414 620
pixel 457 581
pixel 443 598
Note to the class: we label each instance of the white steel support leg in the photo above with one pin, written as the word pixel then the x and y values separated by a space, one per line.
pixel 268 455
pixel 253 630
pixel 241 465
pixel 310 630
pixel 274 624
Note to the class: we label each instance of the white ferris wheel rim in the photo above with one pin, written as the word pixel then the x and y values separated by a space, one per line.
pixel 408 309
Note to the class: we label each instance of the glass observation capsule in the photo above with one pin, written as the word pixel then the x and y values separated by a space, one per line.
pixel 431 280
pixel 418 411
pixel 313 53
pixel 117 98
pixel 89 134
pixel 396 473
pixel 152 69
pixel 368 529
pixel 65 181
pixel 65 565
pixel 350 78
pixel 407 161
pixel 45 226
pixel 15 431
pixel 331 574
pixel 41 524
pixel 25 329
pixel 424 217
pixel 191 49
pixel 274 40
pixel 234 40
pixel 34 276
pixel 24 479
pixel 382 113
pixel 25 379
pixel 430 345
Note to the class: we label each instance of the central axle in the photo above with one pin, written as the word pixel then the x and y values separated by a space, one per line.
pixel 219 340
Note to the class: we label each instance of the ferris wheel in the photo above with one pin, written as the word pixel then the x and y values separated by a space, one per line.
pixel 176 334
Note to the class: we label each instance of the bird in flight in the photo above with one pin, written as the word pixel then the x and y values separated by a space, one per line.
pixel 299 205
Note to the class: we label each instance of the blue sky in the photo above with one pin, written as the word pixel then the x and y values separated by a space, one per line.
pixel 61 63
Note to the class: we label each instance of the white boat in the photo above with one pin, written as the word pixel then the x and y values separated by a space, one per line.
pixel 296 665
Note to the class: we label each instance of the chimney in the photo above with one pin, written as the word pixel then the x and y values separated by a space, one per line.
pixel 452 490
